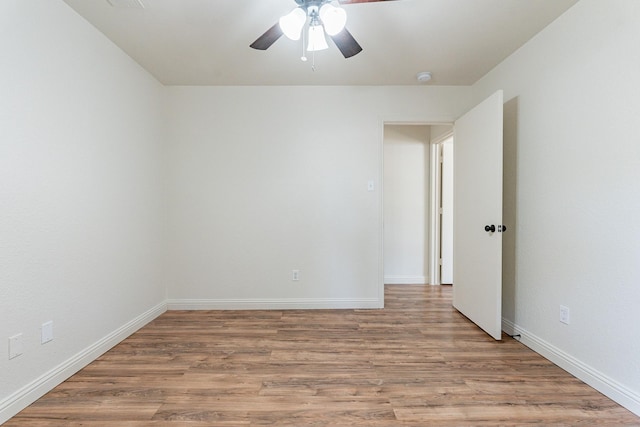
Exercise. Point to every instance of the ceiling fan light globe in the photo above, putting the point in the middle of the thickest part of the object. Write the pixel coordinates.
(333, 18)
(291, 24)
(317, 40)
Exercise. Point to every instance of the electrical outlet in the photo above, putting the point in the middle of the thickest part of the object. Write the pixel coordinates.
(46, 332)
(295, 275)
(564, 314)
(15, 346)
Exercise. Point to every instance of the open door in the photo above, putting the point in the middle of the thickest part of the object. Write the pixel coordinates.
(477, 224)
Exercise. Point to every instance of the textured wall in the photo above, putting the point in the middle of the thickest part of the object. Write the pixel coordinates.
(80, 188)
(572, 101)
(265, 180)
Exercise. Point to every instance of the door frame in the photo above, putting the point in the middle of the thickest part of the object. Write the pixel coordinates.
(380, 199)
(401, 122)
(435, 203)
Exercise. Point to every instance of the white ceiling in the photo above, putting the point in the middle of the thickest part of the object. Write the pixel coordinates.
(206, 42)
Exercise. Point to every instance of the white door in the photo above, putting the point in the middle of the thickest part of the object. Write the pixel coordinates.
(477, 259)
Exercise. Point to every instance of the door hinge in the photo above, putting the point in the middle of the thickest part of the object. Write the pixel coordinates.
(440, 211)
(440, 261)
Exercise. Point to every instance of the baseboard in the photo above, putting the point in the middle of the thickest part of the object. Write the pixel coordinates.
(405, 280)
(611, 388)
(274, 304)
(31, 392)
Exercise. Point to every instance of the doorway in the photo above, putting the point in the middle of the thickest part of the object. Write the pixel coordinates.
(412, 195)
(478, 184)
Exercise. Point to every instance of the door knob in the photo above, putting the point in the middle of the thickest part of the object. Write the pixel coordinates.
(490, 228)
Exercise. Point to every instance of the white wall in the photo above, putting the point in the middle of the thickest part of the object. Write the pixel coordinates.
(265, 180)
(80, 194)
(406, 204)
(259, 184)
(574, 100)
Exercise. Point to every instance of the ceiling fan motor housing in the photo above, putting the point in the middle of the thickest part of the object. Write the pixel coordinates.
(342, 38)
(311, 7)
(306, 3)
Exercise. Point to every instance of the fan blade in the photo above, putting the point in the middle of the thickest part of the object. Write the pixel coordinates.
(265, 41)
(346, 43)
(360, 1)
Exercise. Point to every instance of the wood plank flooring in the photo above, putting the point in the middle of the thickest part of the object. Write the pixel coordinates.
(418, 362)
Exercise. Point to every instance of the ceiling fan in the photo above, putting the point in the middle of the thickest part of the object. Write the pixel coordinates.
(320, 16)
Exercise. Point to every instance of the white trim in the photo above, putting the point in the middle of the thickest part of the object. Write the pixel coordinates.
(508, 327)
(434, 216)
(435, 204)
(445, 136)
(274, 304)
(37, 388)
(433, 261)
(405, 280)
(442, 121)
(596, 379)
(380, 272)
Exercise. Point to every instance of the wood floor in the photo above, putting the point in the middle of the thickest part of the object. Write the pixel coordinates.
(415, 363)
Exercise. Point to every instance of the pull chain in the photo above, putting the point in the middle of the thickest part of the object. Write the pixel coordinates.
(304, 53)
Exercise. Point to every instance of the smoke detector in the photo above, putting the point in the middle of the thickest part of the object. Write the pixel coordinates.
(424, 76)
